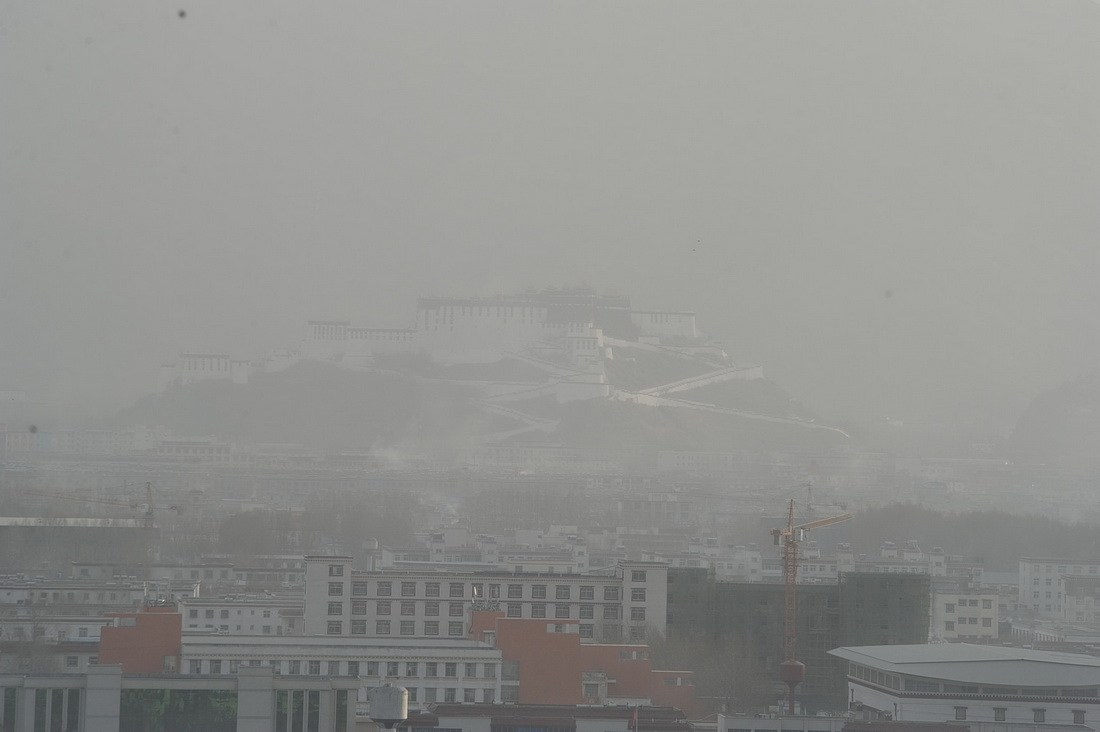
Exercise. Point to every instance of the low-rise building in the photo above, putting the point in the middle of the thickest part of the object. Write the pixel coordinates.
(977, 684)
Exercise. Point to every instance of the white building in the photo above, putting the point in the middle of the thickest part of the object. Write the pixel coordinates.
(1041, 588)
(625, 604)
(962, 614)
(455, 670)
(989, 686)
(243, 615)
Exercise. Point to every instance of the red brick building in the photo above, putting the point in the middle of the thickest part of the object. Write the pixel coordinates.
(146, 642)
(546, 663)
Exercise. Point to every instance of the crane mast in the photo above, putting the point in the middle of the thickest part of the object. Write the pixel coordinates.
(792, 671)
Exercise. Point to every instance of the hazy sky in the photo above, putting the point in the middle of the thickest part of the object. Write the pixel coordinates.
(893, 206)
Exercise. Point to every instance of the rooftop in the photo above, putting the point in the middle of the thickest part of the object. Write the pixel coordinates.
(979, 664)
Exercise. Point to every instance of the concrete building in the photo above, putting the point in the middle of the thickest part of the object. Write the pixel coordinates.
(626, 603)
(1041, 588)
(455, 670)
(988, 686)
(748, 619)
(243, 615)
(964, 614)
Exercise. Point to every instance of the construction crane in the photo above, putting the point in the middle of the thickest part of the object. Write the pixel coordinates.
(792, 671)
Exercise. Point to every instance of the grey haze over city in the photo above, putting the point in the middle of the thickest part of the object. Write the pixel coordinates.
(526, 366)
(891, 207)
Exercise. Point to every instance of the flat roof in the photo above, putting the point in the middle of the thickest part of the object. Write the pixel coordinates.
(979, 664)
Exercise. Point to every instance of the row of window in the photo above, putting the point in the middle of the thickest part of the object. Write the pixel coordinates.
(223, 614)
(405, 627)
(390, 669)
(950, 624)
(973, 602)
(385, 588)
(1037, 715)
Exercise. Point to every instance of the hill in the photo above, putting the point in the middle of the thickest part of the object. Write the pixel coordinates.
(1061, 425)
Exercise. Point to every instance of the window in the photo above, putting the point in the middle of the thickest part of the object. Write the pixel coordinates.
(562, 592)
(468, 696)
(382, 607)
(73, 662)
(637, 613)
(314, 668)
(456, 589)
(195, 667)
(359, 627)
(385, 589)
(449, 695)
(611, 593)
(393, 668)
(335, 570)
(335, 608)
(450, 669)
(429, 695)
(987, 622)
(381, 627)
(408, 608)
(454, 628)
(469, 670)
(586, 630)
(1040, 715)
(295, 668)
(408, 627)
(949, 625)
(1078, 716)
(637, 575)
(588, 592)
(431, 589)
(514, 610)
(611, 612)
(408, 589)
(431, 627)
(950, 608)
(538, 592)
(586, 612)
(431, 609)
(999, 714)
(637, 594)
(490, 671)
(515, 592)
(359, 589)
(412, 669)
(987, 604)
(358, 607)
(353, 668)
(561, 611)
(538, 610)
(960, 713)
(224, 615)
(412, 694)
(488, 696)
(431, 669)
(193, 613)
(372, 668)
(335, 627)
(333, 668)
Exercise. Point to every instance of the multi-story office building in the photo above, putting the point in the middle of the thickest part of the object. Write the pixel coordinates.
(1040, 582)
(433, 670)
(627, 603)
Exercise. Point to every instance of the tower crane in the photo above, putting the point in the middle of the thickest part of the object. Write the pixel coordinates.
(791, 670)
